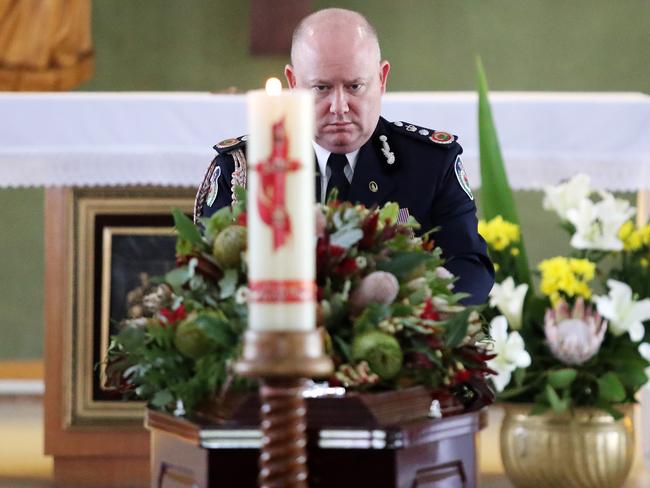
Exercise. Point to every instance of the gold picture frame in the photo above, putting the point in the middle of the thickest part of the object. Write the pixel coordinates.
(100, 218)
(109, 235)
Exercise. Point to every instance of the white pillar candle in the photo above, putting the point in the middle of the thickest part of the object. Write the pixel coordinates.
(281, 236)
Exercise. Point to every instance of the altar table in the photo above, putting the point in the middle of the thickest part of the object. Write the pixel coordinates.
(431, 453)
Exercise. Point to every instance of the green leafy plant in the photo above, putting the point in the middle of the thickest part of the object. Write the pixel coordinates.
(496, 195)
(386, 310)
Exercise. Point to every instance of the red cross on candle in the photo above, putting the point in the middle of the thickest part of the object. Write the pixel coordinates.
(271, 200)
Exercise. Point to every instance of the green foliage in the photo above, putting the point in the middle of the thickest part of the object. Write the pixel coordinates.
(186, 230)
(558, 404)
(218, 221)
(389, 213)
(405, 264)
(562, 378)
(393, 338)
(496, 194)
(228, 283)
(346, 237)
(371, 317)
(610, 388)
(456, 328)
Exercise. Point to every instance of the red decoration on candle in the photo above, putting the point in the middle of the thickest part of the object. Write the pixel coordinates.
(271, 200)
(281, 291)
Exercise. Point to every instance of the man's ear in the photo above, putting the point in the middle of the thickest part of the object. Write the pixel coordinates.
(290, 75)
(384, 68)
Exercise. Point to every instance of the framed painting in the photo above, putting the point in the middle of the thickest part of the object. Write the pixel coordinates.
(122, 239)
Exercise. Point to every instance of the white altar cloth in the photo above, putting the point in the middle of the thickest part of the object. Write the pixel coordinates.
(80, 139)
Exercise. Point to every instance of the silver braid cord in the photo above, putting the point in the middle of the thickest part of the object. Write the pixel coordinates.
(239, 176)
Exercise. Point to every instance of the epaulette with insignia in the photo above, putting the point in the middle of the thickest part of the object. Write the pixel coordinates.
(421, 133)
(229, 145)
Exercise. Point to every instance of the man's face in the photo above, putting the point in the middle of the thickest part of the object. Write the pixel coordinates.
(347, 82)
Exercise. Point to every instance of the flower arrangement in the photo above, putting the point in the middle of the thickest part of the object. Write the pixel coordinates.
(580, 342)
(385, 307)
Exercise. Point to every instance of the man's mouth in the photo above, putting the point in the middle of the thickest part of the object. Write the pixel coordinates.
(338, 126)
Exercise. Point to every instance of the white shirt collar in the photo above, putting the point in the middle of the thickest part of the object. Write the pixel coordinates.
(323, 154)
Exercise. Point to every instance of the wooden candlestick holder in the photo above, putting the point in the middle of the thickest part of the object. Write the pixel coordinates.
(283, 361)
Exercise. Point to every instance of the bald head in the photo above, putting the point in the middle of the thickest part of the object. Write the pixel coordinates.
(335, 54)
(331, 25)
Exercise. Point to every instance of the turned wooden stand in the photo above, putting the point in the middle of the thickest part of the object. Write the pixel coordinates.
(432, 453)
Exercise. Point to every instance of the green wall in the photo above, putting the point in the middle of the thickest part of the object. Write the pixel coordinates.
(558, 45)
(540, 45)
(21, 273)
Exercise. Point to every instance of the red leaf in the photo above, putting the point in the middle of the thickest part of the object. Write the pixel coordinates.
(346, 267)
(462, 376)
(429, 312)
(369, 228)
(173, 316)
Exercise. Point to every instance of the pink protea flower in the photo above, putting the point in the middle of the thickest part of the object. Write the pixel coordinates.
(574, 336)
(320, 220)
(377, 287)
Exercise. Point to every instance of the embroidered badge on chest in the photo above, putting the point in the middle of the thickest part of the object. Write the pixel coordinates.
(214, 186)
(463, 179)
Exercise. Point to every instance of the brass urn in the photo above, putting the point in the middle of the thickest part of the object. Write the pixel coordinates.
(587, 450)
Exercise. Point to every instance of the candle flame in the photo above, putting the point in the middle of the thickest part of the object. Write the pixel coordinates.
(273, 86)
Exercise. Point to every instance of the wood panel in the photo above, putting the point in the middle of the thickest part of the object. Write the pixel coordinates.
(106, 456)
(272, 25)
(101, 472)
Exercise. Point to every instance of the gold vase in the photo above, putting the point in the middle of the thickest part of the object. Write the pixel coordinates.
(588, 450)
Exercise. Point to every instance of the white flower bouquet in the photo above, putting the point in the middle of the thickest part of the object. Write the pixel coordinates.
(581, 340)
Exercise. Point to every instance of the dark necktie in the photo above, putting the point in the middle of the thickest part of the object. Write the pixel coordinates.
(336, 163)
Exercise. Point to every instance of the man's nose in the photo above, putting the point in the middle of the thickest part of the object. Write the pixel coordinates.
(339, 103)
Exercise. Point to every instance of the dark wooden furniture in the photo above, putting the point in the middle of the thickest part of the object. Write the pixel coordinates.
(431, 453)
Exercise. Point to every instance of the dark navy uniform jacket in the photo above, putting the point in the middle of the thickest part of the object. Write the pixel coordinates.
(426, 178)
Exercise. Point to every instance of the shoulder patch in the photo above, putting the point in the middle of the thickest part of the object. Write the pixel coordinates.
(425, 135)
(463, 179)
(228, 145)
(440, 137)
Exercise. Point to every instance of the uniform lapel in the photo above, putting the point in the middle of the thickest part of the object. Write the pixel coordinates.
(371, 183)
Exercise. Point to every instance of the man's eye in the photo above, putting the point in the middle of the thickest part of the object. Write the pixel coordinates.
(321, 88)
(354, 87)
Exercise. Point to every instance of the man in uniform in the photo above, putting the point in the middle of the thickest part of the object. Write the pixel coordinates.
(335, 54)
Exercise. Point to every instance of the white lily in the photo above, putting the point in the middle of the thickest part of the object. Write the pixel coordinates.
(623, 312)
(644, 350)
(565, 196)
(597, 224)
(510, 351)
(509, 299)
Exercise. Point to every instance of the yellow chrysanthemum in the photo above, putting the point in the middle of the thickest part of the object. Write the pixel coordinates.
(645, 234)
(499, 233)
(632, 238)
(626, 230)
(565, 276)
(583, 267)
